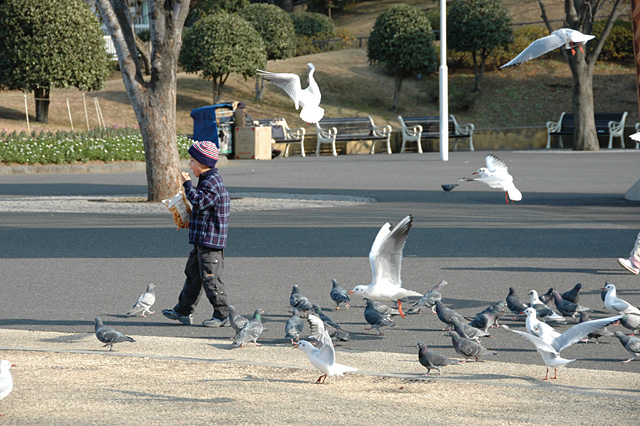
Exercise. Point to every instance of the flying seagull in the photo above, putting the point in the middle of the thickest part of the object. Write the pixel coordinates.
(496, 175)
(564, 36)
(386, 261)
(308, 98)
(144, 303)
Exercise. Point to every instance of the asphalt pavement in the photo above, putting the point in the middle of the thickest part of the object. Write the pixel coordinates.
(60, 270)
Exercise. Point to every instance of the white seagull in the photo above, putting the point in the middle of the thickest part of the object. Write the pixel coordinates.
(386, 261)
(544, 311)
(496, 175)
(533, 325)
(6, 381)
(550, 348)
(615, 305)
(564, 36)
(309, 98)
(323, 355)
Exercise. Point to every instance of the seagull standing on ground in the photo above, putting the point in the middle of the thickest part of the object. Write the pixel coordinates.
(6, 381)
(496, 175)
(386, 261)
(564, 36)
(616, 305)
(309, 98)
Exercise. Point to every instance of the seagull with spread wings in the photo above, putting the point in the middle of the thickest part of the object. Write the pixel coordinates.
(496, 175)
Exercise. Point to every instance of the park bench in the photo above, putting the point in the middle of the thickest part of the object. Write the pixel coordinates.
(281, 133)
(607, 123)
(414, 129)
(332, 130)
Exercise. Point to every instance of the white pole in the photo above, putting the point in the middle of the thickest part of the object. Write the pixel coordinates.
(444, 85)
(70, 119)
(26, 111)
(86, 116)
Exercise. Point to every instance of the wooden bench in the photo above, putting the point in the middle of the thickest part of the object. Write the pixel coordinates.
(281, 133)
(330, 130)
(414, 129)
(606, 123)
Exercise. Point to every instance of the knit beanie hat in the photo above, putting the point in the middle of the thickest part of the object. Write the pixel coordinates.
(205, 152)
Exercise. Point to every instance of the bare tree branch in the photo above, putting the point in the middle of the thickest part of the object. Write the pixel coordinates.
(544, 16)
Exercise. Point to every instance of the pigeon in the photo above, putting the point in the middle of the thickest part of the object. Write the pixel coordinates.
(550, 349)
(603, 332)
(236, 321)
(469, 348)
(429, 299)
(631, 321)
(250, 332)
(317, 310)
(496, 175)
(563, 36)
(572, 295)
(144, 303)
(446, 314)
(616, 305)
(322, 355)
(298, 300)
(488, 318)
(6, 381)
(514, 303)
(384, 309)
(376, 319)
(293, 327)
(109, 336)
(433, 360)
(565, 307)
(532, 324)
(339, 295)
(630, 343)
(448, 187)
(465, 330)
(544, 312)
(386, 259)
(309, 98)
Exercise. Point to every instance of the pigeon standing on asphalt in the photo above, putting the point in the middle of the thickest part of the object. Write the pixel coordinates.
(429, 299)
(448, 187)
(630, 343)
(446, 314)
(573, 295)
(109, 336)
(251, 331)
(469, 348)
(322, 356)
(515, 305)
(293, 327)
(465, 330)
(602, 332)
(144, 303)
(386, 261)
(339, 295)
(565, 307)
(298, 300)
(384, 309)
(488, 318)
(376, 319)
(631, 321)
(496, 175)
(616, 305)
(433, 360)
(550, 348)
(6, 381)
(236, 321)
(544, 312)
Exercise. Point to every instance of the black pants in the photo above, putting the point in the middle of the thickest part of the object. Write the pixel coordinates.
(204, 270)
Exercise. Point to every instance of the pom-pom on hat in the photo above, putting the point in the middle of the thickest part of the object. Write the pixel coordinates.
(205, 152)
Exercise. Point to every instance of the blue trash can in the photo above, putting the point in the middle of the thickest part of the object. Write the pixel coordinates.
(214, 123)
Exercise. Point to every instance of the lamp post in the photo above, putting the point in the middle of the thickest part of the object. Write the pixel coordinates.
(444, 85)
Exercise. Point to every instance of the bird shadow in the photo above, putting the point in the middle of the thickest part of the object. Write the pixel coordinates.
(540, 269)
(172, 398)
(70, 338)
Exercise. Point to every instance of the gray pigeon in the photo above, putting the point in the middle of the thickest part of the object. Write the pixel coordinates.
(316, 309)
(465, 330)
(433, 360)
(515, 305)
(445, 314)
(429, 299)
(294, 326)
(631, 321)
(448, 187)
(236, 321)
(339, 295)
(544, 312)
(376, 319)
(109, 336)
(572, 295)
(630, 343)
(565, 307)
(298, 300)
(144, 303)
(597, 334)
(489, 317)
(384, 309)
(469, 348)
(250, 332)
(331, 327)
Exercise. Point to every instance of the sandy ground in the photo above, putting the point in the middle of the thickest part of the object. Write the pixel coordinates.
(70, 379)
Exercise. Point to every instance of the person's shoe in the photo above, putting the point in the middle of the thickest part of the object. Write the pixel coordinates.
(215, 322)
(626, 264)
(173, 315)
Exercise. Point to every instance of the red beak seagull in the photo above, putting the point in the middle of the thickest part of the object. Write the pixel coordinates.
(386, 260)
(496, 175)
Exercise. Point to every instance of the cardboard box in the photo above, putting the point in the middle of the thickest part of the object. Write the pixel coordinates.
(252, 143)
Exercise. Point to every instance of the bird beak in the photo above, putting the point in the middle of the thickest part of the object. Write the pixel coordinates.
(350, 292)
(474, 173)
(295, 346)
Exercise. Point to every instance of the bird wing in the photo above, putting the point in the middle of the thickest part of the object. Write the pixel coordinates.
(109, 335)
(538, 48)
(386, 251)
(580, 331)
(146, 300)
(541, 345)
(326, 353)
(288, 82)
(495, 165)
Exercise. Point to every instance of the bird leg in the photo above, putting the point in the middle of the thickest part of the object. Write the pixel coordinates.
(506, 197)
(547, 376)
(555, 373)
(628, 360)
(400, 308)
(323, 378)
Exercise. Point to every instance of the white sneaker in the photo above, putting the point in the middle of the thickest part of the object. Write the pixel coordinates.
(626, 264)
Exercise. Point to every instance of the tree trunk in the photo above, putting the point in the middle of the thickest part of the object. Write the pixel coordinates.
(585, 137)
(42, 104)
(396, 92)
(259, 88)
(143, 49)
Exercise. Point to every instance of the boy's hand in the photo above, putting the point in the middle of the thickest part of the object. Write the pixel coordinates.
(184, 176)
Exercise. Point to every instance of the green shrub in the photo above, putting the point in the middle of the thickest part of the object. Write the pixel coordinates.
(618, 47)
(312, 25)
(275, 26)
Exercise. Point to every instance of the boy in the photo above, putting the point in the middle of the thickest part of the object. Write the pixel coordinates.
(208, 233)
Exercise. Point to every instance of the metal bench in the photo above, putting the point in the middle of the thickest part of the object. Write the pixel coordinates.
(607, 123)
(281, 133)
(332, 130)
(414, 129)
